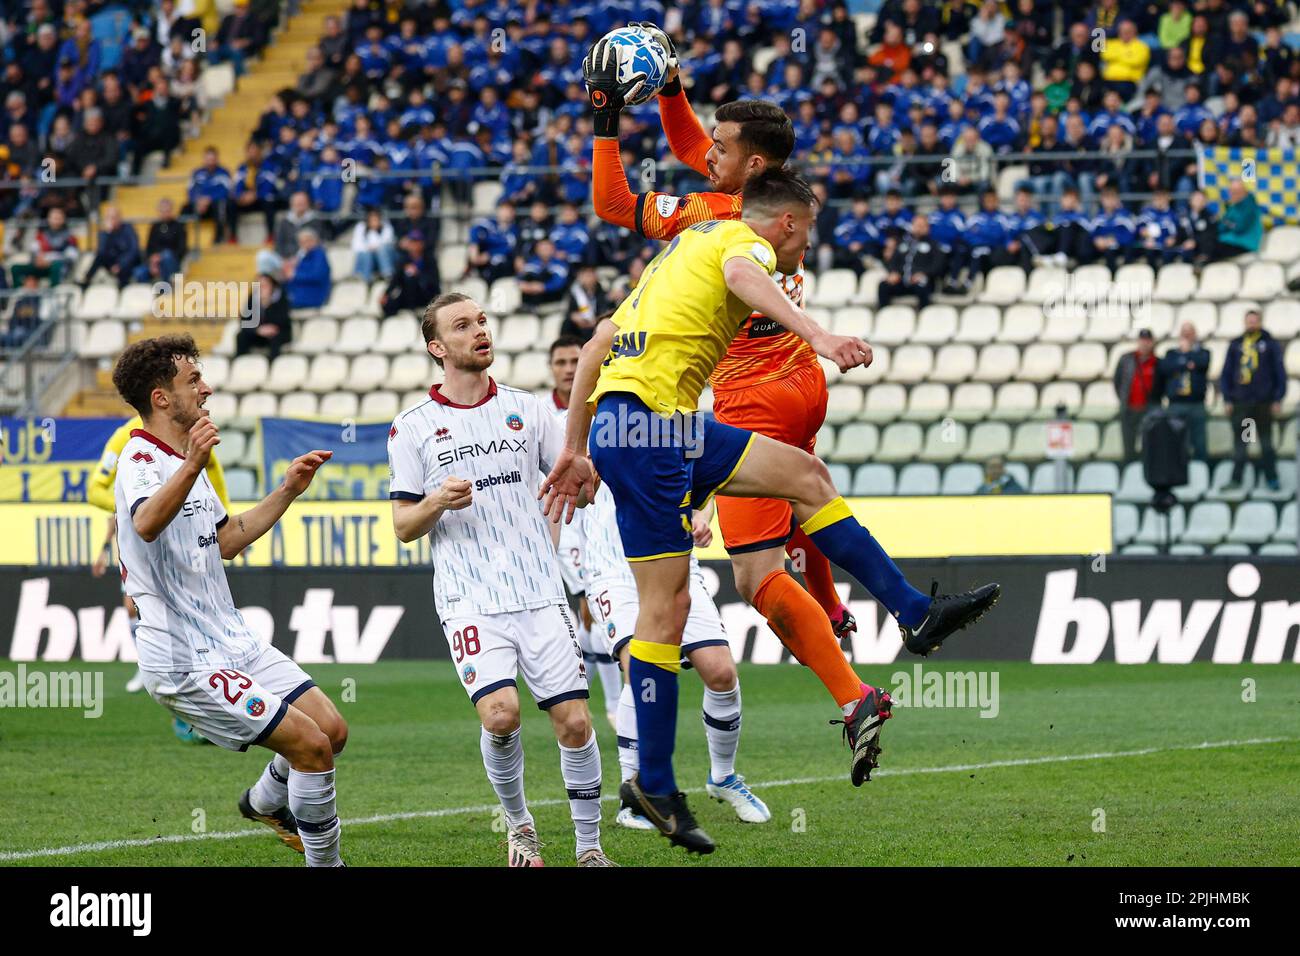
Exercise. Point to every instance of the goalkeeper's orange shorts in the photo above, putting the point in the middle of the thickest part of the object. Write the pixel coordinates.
(789, 409)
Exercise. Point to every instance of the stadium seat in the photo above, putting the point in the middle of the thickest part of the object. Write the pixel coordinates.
(1029, 443)
(869, 287)
(979, 324)
(1124, 521)
(1098, 478)
(241, 484)
(900, 442)
(328, 373)
(954, 363)
(844, 403)
(234, 447)
(485, 196)
(877, 371)
(1254, 522)
(348, 298)
(944, 441)
(1084, 361)
(1277, 549)
(841, 478)
(103, 339)
(1231, 549)
(884, 403)
(1198, 482)
(835, 287)
(1232, 317)
(287, 374)
(1100, 403)
(1041, 362)
(216, 371)
(935, 325)
(255, 405)
(851, 320)
(135, 303)
(357, 335)
(997, 364)
(1281, 244)
(248, 373)
(1175, 283)
(1059, 393)
(1065, 323)
(1139, 550)
(1286, 529)
(518, 333)
(1220, 281)
(988, 439)
(1184, 550)
(1015, 400)
(826, 443)
(1153, 529)
(316, 335)
(223, 407)
(911, 364)
(1110, 322)
(1004, 285)
(917, 479)
(226, 344)
(379, 406)
(1043, 480)
(531, 370)
(1087, 440)
(299, 405)
(1133, 485)
(503, 296)
(410, 371)
(961, 478)
(1158, 317)
(399, 334)
(1291, 358)
(367, 372)
(1046, 284)
(342, 262)
(873, 480)
(97, 302)
(413, 398)
(1021, 325)
(1208, 523)
(1262, 281)
(339, 407)
(927, 402)
(1282, 318)
(1203, 315)
(971, 401)
(857, 442)
(894, 325)
(1135, 282)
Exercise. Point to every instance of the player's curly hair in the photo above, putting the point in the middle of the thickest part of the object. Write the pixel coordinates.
(774, 190)
(765, 128)
(149, 364)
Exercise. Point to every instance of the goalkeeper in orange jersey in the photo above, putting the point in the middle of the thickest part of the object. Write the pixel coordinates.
(770, 381)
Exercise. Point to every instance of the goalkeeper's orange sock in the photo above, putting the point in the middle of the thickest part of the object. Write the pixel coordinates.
(803, 627)
(816, 573)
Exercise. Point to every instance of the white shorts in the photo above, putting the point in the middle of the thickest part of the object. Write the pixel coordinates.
(234, 708)
(489, 651)
(614, 605)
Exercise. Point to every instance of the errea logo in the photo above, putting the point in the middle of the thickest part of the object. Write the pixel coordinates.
(442, 434)
(77, 909)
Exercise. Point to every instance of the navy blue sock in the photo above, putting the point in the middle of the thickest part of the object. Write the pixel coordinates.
(839, 536)
(654, 689)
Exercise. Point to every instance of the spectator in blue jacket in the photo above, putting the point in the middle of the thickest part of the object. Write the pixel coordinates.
(257, 189)
(118, 251)
(210, 191)
(988, 232)
(327, 182)
(307, 274)
(492, 244)
(543, 278)
(1113, 230)
(856, 237)
(1157, 231)
(571, 238)
(1000, 129)
(1184, 372)
(948, 228)
(1253, 384)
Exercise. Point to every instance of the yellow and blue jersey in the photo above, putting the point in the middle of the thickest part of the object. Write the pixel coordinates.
(676, 325)
(99, 490)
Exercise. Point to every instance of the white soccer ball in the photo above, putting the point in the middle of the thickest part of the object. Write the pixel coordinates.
(639, 53)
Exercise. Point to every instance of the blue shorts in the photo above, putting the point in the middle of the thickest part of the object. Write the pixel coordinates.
(660, 470)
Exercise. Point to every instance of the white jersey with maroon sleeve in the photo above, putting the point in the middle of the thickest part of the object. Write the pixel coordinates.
(495, 555)
(188, 620)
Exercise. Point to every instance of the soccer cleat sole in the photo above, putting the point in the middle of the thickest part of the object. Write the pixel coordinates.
(867, 750)
(290, 839)
(966, 622)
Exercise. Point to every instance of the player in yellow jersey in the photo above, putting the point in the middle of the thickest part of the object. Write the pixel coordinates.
(769, 381)
(99, 492)
(635, 394)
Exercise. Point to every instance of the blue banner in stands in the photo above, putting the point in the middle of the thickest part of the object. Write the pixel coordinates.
(1272, 175)
(358, 470)
(50, 459)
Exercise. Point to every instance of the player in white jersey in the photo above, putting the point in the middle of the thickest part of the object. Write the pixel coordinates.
(465, 467)
(199, 657)
(611, 594)
(564, 363)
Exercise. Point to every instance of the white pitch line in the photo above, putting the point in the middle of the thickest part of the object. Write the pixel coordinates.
(12, 855)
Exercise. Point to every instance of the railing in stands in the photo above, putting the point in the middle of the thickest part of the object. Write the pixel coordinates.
(36, 345)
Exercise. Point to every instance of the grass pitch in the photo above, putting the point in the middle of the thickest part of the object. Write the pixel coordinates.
(1082, 766)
